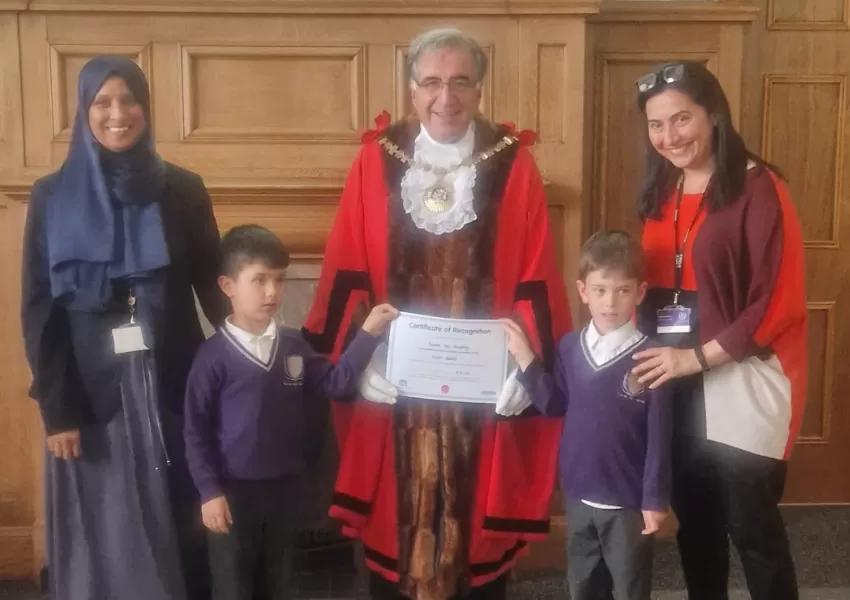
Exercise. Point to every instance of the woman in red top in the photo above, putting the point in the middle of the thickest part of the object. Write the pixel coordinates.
(727, 302)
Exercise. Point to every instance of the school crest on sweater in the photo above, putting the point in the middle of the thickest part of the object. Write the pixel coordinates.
(293, 367)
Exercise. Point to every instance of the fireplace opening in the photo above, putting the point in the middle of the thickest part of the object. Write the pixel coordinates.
(325, 563)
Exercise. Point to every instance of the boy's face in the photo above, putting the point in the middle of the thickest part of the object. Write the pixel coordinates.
(256, 292)
(611, 298)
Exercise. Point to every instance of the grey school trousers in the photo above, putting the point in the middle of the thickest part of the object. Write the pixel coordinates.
(607, 556)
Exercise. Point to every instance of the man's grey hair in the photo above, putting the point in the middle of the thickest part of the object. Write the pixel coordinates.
(445, 38)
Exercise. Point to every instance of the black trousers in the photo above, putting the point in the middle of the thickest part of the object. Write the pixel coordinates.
(722, 493)
(254, 560)
(381, 589)
(607, 556)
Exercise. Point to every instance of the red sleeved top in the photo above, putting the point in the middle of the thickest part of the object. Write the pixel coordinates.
(744, 279)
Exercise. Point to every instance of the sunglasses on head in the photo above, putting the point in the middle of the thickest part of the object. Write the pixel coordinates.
(668, 74)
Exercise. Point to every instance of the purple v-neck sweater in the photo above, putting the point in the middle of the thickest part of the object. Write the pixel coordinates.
(250, 420)
(615, 448)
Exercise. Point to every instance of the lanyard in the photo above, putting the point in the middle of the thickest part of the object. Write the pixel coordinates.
(679, 257)
(131, 303)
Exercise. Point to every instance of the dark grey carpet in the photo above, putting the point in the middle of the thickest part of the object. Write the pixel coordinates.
(820, 540)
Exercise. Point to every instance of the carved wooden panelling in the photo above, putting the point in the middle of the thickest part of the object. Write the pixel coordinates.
(621, 140)
(558, 224)
(265, 99)
(816, 421)
(66, 61)
(270, 93)
(800, 15)
(803, 132)
(302, 223)
(552, 120)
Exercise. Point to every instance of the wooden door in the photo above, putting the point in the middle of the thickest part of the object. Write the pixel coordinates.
(796, 107)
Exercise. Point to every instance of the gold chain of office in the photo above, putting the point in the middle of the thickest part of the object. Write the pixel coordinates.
(439, 197)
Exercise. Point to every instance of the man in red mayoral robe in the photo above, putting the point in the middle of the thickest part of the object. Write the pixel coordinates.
(444, 215)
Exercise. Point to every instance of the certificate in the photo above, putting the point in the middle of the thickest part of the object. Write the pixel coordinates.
(455, 360)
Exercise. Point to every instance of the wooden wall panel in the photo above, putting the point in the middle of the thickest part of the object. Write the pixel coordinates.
(268, 93)
(809, 111)
(65, 63)
(816, 422)
(621, 134)
(265, 99)
(11, 132)
(302, 218)
(552, 120)
(550, 94)
(819, 15)
(20, 433)
(796, 106)
(620, 52)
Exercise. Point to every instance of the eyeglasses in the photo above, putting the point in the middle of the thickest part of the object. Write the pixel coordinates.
(434, 85)
(668, 74)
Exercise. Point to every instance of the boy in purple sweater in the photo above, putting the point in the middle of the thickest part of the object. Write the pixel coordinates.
(615, 449)
(256, 400)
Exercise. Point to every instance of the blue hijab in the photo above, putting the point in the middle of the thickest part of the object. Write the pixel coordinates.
(104, 223)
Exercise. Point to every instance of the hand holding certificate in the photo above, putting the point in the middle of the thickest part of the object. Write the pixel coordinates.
(455, 360)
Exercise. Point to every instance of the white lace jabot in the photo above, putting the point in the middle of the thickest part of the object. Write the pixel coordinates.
(417, 181)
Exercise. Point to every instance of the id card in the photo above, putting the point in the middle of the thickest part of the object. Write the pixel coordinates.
(128, 339)
(674, 319)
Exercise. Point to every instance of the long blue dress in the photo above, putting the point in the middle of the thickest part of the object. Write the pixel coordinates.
(123, 520)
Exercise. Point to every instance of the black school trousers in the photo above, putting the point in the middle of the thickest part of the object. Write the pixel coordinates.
(254, 560)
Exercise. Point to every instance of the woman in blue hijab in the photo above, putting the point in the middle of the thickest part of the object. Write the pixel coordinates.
(115, 243)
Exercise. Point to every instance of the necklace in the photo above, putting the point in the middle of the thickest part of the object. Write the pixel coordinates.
(440, 197)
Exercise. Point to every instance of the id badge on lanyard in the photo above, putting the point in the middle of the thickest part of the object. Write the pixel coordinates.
(128, 338)
(675, 318)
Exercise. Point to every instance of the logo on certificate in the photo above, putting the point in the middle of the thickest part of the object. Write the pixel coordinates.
(402, 383)
(445, 389)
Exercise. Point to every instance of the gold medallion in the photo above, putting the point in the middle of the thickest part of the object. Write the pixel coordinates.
(438, 198)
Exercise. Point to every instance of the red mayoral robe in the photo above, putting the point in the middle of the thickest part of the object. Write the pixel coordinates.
(444, 496)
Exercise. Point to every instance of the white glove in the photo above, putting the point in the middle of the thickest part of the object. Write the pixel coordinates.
(374, 386)
(513, 399)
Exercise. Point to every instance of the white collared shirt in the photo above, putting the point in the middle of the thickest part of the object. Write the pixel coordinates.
(445, 154)
(603, 349)
(259, 346)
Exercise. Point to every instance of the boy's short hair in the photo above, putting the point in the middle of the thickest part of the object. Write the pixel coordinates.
(612, 250)
(246, 244)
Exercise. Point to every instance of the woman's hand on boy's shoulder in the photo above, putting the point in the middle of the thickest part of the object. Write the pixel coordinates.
(378, 319)
(657, 366)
